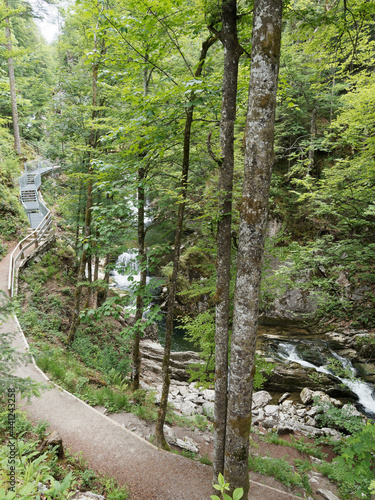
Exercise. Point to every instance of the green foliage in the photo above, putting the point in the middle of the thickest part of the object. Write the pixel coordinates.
(279, 468)
(353, 469)
(201, 331)
(32, 468)
(366, 346)
(298, 444)
(223, 487)
(338, 418)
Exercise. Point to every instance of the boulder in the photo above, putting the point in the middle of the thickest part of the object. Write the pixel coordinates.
(271, 410)
(187, 444)
(261, 399)
(87, 495)
(53, 440)
(328, 495)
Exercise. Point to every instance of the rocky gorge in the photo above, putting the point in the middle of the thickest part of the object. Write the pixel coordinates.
(285, 413)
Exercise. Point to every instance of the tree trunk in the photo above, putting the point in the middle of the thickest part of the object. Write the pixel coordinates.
(136, 355)
(312, 139)
(12, 85)
(86, 255)
(259, 159)
(232, 53)
(159, 428)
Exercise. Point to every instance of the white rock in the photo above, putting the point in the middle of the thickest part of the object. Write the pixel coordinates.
(184, 390)
(351, 411)
(335, 435)
(306, 395)
(187, 444)
(169, 434)
(87, 495)
(271, 410)
(284, 397)
(261, 399)
(208, 409)
(310, 421)
(188, 408)
(209, 394)
(269, 423)
(327, 494)
(288, 407)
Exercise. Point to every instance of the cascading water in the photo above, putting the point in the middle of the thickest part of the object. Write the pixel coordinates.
(127, 270)
(343, 371)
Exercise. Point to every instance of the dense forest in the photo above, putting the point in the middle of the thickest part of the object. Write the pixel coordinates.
(152, 109)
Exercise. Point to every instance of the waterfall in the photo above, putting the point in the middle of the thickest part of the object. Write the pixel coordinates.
(365, 392)
(127, 270)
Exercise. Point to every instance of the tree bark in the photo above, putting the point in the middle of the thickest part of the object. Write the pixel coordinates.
(159, 428)
(136, 355)
(86, 255)
(311, 154)
(12, 85)
(259, 157)
(232, 53)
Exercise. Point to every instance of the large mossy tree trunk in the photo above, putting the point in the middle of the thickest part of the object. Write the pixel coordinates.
(259, 158)
(159, 428)
(232, 53)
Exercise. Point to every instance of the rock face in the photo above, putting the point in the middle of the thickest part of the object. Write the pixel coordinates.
(293, 378)
(290, 307)
(152, 357)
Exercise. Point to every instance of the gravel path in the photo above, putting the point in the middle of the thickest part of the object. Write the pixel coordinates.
(109, 448)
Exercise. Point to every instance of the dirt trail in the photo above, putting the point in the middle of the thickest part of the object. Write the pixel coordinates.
(109, 448)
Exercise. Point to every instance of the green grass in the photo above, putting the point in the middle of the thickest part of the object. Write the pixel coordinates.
(298, 444)
(280, 469)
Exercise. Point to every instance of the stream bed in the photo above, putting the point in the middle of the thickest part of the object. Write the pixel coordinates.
(289, 347)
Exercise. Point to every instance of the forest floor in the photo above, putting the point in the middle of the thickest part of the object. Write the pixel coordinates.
(114, 445)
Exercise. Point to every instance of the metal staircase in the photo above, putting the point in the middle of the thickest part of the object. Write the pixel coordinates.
(38, 214)
(30, 182)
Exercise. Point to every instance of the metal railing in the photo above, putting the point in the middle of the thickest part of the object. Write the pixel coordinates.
(42, 231)
(34, 238)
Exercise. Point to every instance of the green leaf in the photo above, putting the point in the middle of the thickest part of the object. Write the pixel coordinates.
(221, 479)
(238, 494)
(214, 497)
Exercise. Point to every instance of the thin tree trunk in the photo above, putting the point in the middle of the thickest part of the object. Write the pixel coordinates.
(136, 355)
(311, 154)
(142, 174)
(12, 85)
(81, 274)
(259, 157)
(159, 428)
(232, 53)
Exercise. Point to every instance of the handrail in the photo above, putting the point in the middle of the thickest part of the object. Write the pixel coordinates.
(44, 226)
(36, 237)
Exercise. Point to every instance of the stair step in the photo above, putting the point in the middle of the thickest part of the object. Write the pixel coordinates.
(29, 195)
